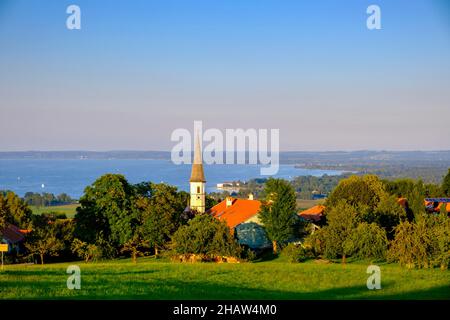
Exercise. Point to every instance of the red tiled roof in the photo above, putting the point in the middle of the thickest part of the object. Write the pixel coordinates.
(12, 234)
(314, 213)
(438, 207)
(238, 212)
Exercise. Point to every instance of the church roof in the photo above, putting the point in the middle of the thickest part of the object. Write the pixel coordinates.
(238, 212)
(197, 173)
(314, 213)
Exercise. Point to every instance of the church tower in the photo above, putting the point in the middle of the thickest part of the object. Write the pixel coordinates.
(197, 181)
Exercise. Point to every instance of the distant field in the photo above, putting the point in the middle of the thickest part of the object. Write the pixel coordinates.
(69, 210)
(306, 204)
(276, 279)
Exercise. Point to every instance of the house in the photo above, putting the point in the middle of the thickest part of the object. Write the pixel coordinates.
(13, 236)
(433, 205)
(313, 214)
(241, 216)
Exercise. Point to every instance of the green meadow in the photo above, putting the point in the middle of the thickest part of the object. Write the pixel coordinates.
(68, 209)
(275, 279)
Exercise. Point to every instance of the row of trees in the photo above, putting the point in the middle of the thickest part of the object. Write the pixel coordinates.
(46, 199)
(364, 220)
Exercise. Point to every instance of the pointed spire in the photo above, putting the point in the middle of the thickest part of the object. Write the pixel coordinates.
(197, 174)
(197, 151)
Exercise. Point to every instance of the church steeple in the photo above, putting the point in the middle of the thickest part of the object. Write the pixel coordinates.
(197, 180)
(197, 174)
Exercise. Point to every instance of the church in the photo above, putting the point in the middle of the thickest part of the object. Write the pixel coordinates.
(241, 215)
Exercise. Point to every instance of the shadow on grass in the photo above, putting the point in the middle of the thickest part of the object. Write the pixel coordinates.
(159, 289)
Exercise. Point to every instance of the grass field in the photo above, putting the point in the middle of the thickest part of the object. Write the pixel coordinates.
(69, 209)
(276, 279)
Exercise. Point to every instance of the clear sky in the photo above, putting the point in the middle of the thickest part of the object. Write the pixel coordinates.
(137, 70)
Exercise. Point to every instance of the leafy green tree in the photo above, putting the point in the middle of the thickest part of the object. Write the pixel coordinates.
(368, 241)
(43, 239)
(205, 235)
(358, 191)
(414, 244)
(85, 250)
(278, 212)
(161, 214)
(14, 210)
(441, 236)
(136, 245)
(334, 237)
(446, 184)
(388, 213)
(3, 212)
(107, 211)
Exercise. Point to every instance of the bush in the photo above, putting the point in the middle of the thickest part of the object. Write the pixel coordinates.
(294, 253)
(86, 251)
(368, 241)
(205, 235)
(423, 244)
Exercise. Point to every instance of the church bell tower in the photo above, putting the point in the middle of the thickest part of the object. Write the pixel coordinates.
(197, 181)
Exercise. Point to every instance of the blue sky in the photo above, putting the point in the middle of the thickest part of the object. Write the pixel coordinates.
(137, 70)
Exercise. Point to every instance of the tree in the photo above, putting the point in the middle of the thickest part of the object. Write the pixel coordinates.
(358, 191)
(388, 213)
(3, 212)
(135, 246)
(14, 210)
(205, 235)
(334, 237)
(106, 212)
(441, 236)
(414, 244)
(85, 250)
(43, 240)
(446, 184)
(277, 213)
(368, 241)
(161, 214)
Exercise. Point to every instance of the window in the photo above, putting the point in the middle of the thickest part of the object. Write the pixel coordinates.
(198, 189)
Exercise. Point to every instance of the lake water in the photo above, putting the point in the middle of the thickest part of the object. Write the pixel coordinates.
(72, 176)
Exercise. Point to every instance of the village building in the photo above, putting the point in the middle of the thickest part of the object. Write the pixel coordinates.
(13, 236)
(241, 215)
(314, 214)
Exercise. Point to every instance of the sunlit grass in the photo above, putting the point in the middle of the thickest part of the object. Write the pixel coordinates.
(68, 209)
(276, 279)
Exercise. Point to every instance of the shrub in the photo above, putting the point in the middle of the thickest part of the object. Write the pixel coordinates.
(333, 237)
(414, 244)
(368, 241)
(205, 235)
(294, 253)
(85, 250)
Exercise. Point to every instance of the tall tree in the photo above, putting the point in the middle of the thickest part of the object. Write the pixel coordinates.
(278, 211)
(161, 214)
(106, 211)
(43, 239)
(15, 210)
(342, 220)
(358, 191)
(446, 184)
